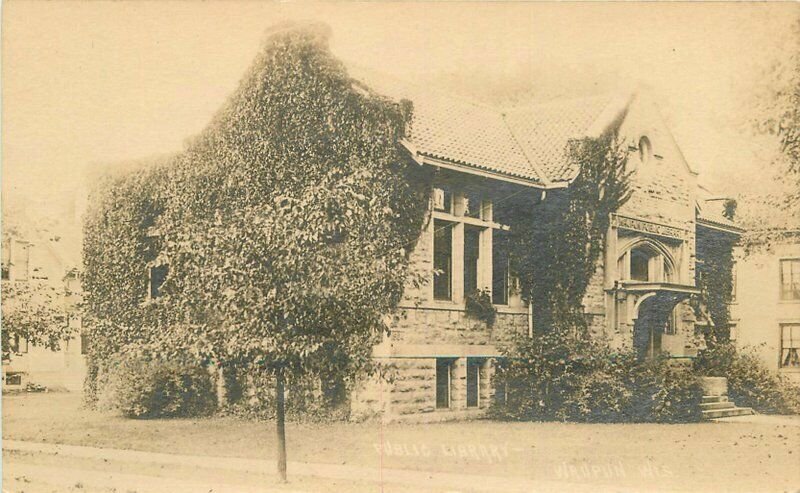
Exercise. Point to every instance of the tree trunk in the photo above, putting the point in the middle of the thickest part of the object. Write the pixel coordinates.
(281, 425)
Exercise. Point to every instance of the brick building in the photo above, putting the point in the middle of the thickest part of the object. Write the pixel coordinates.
(441, 358)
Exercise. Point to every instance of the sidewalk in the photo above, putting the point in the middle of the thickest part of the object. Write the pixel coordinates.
(449, 482)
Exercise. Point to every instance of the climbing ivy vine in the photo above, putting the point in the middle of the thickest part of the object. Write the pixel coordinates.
(557, 243)
(285, 228)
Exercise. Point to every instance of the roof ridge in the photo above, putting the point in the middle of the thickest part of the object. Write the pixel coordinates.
(546, 181)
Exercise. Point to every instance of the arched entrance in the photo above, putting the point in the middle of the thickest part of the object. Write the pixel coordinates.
(654, 316)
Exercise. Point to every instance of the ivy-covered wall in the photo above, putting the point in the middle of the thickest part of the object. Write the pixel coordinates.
(285, 226)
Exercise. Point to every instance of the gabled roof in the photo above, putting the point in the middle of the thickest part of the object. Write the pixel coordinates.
(527, 142)
(544, 130)
(709, 211)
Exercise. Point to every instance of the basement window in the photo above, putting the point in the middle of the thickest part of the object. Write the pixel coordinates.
(474, 381)
(444, 377)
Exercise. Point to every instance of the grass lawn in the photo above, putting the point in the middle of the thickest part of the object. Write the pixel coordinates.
(693, 457)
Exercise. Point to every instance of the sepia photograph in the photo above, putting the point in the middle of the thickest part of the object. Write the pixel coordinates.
(400, 247)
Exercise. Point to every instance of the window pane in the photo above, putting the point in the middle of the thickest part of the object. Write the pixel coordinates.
(472, 246)
(442, 260)
(790, 346)
(473, 381)
(443, 383)
(790, 279)
(472, 205)
(499, 267)
(640, 266)
(442, 200)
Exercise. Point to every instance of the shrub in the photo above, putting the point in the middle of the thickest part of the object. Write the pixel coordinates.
(478, 304)
(557, 377)
(664, 391)
(750, 383)
(307, 397)
(139, 386)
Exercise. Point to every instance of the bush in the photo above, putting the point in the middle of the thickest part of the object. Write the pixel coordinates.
(307, 398)
(478, 304)
(557, 377)
(750, 383)
(664, 391)
(139, 386)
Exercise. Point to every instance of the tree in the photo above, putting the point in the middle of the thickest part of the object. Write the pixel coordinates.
(778, 112)
(32, 311)
(285, 226)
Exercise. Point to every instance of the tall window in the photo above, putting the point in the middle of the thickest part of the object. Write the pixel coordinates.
(444, 369)
(442, 260)
(790, 279)
(790, 346)
(733, 282)
(640, 265)
(500, 279)
(473, 381)
(472, 254)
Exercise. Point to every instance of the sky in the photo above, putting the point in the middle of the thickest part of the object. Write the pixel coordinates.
(86, 85)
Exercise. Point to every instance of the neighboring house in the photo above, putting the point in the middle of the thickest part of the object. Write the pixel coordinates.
(441, 359)
(33, 255)
(765, 313)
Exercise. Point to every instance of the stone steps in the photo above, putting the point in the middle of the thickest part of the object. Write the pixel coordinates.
(711, 414)
(714, 398)
(709, 406)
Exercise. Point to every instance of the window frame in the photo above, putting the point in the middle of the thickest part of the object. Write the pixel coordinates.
(781, 285)
(474, 364)
(795, 347)
(440, 225)
(458, 222)
(448, 364)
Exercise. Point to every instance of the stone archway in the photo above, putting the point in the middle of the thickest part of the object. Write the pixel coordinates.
(651, 316)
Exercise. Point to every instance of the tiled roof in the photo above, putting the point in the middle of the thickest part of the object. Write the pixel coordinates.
(470, 134)
(526, 142)
(544, 130)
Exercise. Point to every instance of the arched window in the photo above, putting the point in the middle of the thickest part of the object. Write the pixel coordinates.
(645, 262)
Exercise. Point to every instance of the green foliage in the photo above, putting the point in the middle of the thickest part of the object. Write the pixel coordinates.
(556, 244)
(557, 377)
(138, 384)
(664, 391)
(286, 226)
(750, 383)
(35, 312)
(714, 278)
(307, 399)
(478, 304)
